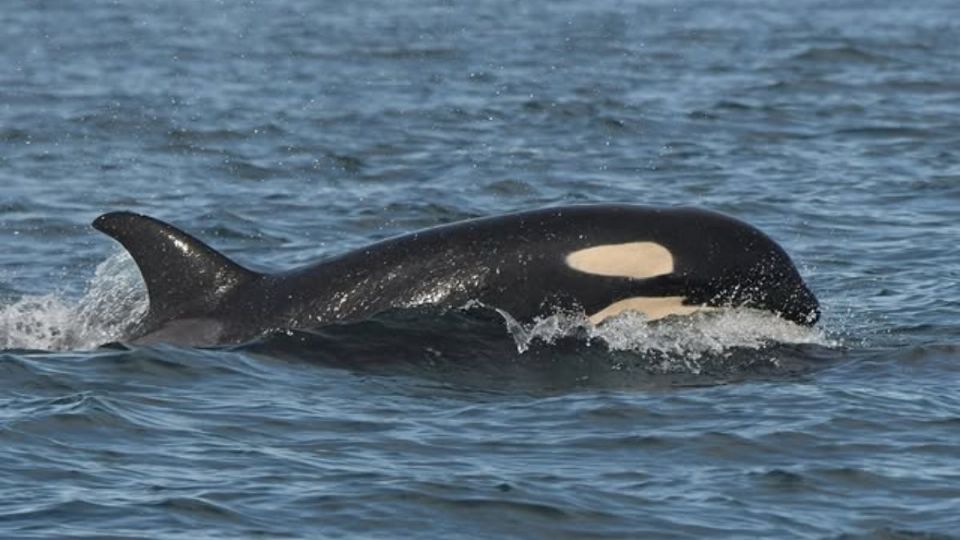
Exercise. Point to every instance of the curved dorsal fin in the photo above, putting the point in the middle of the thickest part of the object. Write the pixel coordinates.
(184, 276)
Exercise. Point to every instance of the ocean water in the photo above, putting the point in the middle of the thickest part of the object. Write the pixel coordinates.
(283, 132)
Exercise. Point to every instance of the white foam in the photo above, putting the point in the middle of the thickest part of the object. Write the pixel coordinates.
(114, 299)
(691, 337)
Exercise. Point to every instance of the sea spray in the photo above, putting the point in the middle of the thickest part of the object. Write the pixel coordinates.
(114, 300)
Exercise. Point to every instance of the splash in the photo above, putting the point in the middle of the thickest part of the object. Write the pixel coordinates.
(113, 300)
(690, 337)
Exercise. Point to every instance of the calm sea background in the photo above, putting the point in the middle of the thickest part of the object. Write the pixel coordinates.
(286, 131)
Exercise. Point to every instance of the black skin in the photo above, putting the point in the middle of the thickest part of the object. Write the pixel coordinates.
(515, 262)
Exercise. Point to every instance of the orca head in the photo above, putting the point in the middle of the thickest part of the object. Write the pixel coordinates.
(733, 264)
(701, 260)
(771, 284)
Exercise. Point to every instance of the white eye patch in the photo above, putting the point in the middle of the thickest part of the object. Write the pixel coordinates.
(638, 260)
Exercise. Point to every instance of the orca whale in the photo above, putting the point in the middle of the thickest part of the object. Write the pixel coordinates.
(598, 259)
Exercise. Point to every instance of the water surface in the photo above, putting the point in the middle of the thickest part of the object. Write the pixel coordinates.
(287, 131)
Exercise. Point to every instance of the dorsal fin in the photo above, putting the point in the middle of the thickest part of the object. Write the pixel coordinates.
(184, 276)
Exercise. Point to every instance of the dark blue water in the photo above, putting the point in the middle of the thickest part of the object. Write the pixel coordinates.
(286, 131)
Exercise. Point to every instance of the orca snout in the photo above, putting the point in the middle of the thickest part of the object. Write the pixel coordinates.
(799, 305)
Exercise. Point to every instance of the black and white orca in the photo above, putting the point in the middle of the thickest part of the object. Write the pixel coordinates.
(599, 259)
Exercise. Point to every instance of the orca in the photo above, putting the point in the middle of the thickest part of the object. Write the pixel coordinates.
(601, 259)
